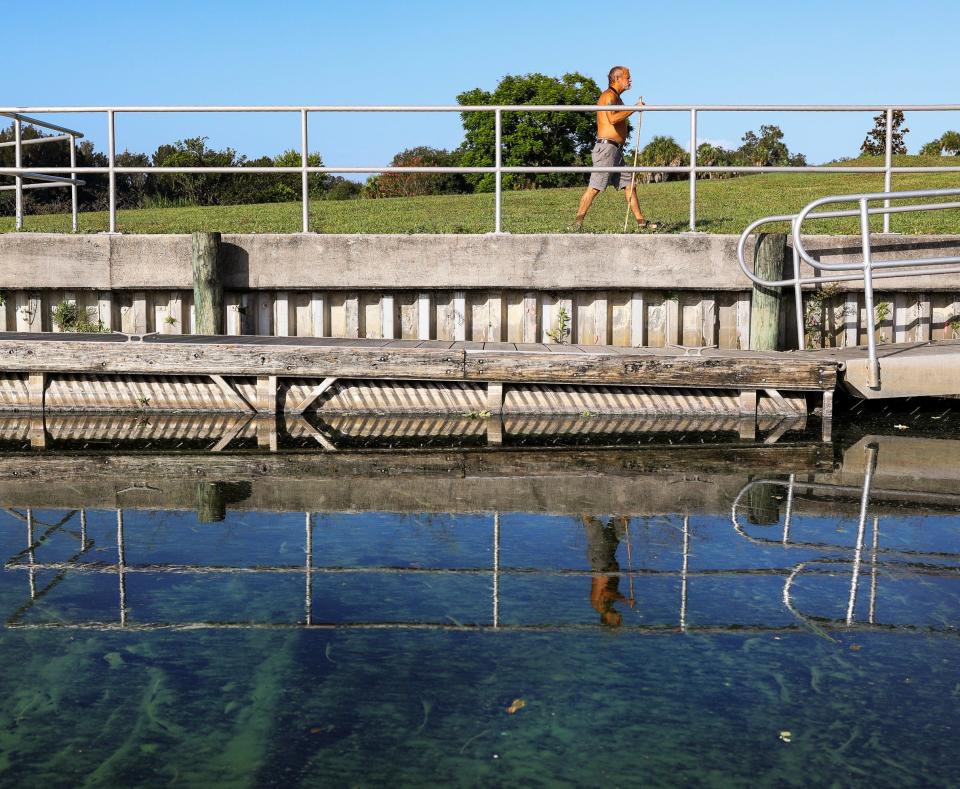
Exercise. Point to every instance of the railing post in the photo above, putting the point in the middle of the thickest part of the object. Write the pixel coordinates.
(887, 165)
(798, 300)
(873, 377)
(18, 162)
(112, 156)
(74, 202)
(498, 189)
(304, 185)
(693, 171)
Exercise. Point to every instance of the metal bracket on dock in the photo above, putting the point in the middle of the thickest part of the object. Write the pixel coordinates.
(688, 350)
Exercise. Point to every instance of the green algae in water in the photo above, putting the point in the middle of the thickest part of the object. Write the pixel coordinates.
(214, 679)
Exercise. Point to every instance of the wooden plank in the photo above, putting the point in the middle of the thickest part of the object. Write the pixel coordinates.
(174, 320)
(592, 320)
(407, 304)
(105, 309)
(371, 314)
(708, 317)
(29, 311)
(444, 316)
(139, 310)
(924, 317)
(161, 309)
(231, 306)
(230, 359)
(851, 320)
(36, 387)
(495, 397)
(638, 319)
(302, 313)
(749, 372)
(314, 393)
(744, 306)
(388, 317)
(529, 317)
(726, 320)
(424, 314)
(318, 314)
(904, 313)
(246, 310)
(266, 394)
(281, 313)
(6, 311)
(619, 304)
(460, 315)
(264, 313)
(690, 315)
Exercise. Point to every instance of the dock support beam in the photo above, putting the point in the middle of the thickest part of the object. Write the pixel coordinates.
(826, 418)
(748, 414)
(768, 261)
(207, 283)
(266, 394)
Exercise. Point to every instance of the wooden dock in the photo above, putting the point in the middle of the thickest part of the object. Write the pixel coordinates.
(269, 375)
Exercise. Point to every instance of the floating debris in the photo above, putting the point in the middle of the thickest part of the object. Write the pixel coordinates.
(515, 706)
(786, 736)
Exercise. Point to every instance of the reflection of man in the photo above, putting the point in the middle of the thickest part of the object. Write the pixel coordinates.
(608, 151)
(602, 543)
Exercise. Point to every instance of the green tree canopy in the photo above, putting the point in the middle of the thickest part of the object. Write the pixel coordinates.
(416, 184)
(535, 139)
(875, 143)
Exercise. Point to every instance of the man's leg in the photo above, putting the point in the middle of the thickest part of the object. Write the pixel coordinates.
(634, 204)
(585, 202)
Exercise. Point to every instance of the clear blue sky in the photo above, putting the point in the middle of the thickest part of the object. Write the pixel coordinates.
(425, 52)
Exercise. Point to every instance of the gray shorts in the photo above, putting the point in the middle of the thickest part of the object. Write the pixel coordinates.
(608, 155)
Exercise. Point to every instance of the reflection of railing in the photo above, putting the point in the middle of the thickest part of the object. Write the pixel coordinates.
(856, 562)
(496, 168)
(918, 563)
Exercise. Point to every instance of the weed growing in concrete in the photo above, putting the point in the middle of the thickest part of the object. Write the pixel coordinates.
(562, 332)
(68, 316)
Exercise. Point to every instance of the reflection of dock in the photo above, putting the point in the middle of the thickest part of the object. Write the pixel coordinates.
(643, 480)
(792, 571)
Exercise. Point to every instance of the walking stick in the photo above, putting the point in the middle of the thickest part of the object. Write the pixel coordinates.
(633, 176)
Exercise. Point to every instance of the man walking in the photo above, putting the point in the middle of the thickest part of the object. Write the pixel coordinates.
(608, 151)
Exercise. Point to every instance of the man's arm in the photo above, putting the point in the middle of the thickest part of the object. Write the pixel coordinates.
(616, 117)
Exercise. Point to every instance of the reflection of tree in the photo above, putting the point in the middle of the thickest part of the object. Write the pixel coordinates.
(602, 543)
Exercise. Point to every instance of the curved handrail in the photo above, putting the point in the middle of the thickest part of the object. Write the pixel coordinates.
(866, 269)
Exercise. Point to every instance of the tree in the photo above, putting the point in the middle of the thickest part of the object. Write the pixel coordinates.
(932, 148)
(535, 139)
(950, 143)
(661, 151)
(197, 188)
(416, 184)
(875, 142)
(290, 187)
(766, 150)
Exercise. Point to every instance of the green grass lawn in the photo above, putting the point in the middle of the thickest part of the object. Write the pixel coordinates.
(723, 206)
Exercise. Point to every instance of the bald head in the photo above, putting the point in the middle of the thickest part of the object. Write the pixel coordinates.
(615, 73)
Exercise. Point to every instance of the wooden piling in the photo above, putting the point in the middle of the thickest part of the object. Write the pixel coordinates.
(768, 262)
(207, 283)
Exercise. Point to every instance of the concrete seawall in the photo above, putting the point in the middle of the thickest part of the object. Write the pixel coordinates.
(606, 289)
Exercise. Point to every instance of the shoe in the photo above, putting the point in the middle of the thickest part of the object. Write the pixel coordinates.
(646, 227)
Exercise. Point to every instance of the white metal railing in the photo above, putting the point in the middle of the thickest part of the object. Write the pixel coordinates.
(498, 169)
(47, 181)
(866, 268)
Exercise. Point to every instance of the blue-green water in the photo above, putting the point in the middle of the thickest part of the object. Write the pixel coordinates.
(196, 664)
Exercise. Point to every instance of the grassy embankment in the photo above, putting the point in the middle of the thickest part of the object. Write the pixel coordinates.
(723, 206)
